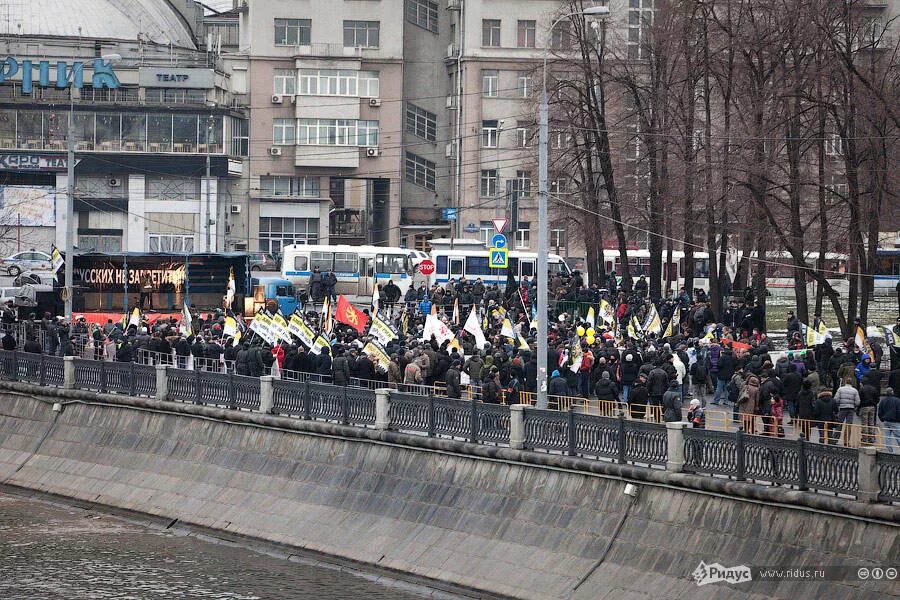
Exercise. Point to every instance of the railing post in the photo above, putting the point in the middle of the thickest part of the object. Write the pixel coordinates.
(69, 372)
(739, 454)
(383, 409)
(345, 407)
(571, 440)
(517, 426)
(430, 414)
(103, 384)
(131, 385)
(43, 374)
(675, 454)
(307, 401)
(623, 443)
(266, 394)
(198, 399)
(232, 393)
(868, 475)
(473, 422)
(14, 375)
(162, 383)
(801, 464)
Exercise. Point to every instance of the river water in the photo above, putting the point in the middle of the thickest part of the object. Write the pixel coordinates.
(48, 551)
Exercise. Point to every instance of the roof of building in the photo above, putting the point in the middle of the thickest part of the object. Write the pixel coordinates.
(149, 20)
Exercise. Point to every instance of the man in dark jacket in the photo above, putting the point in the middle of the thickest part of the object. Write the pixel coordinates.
(452, 376)
(629, 368)
(340, 369)
(657, 384)
(323, 366)
(9, 342)
(889, 414)
(868, 402)
(255, 361)
(638, 398)
(606, 390)
(242, 360)
(724, 375)
(365, 370)
(557, 385)
(671, 403)
(790, 384)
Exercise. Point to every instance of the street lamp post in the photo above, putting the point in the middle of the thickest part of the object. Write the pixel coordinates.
(543, 225)
(70, 188)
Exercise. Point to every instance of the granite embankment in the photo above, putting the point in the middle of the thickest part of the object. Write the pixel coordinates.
(508, 522)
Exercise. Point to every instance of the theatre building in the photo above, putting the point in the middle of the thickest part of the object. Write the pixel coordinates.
(157, 142)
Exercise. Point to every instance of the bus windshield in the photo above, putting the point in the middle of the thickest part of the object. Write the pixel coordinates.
(395, 264)
(558, 267)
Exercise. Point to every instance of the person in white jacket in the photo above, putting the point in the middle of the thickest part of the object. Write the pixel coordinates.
(846, 400)
(680, 372)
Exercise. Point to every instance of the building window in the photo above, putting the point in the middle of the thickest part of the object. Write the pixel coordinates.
(490, 134)
(523, 137)
(486, 232)
(283, 131)
(361, 34)
(299, 187)
(277, 232)
(522, 182)
(557, 238)
(337, 132)
(169, 242)
(524, 85)
(525, 34)
(423, 13)
(285, 82)
(561, 37)
(333, 82)
(560, 185)
(834, 145)
(292, 32)
(422, 242)
(420, 171)
(523, 235)
(490, 83)
(240, 137)
(490, 33)
(640, 20)
(420, 122)
(559, 140)
(99, 243)
(489, 180)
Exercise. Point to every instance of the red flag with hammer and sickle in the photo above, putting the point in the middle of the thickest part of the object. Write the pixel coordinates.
(348, 314)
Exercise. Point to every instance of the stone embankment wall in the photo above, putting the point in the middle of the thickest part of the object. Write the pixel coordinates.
(485, 518)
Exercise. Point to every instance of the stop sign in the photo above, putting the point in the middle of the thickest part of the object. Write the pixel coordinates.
(426, 267)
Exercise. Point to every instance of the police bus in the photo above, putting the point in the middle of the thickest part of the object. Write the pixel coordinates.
(470, 258)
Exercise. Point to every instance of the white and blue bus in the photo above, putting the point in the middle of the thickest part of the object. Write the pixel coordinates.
(469, 258)
(358, 268)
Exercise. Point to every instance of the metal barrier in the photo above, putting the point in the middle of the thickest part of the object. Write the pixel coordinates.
(797, 463)
(438, 416)
(218, 389)
(121, 378)
(313, 400)
(888, 476)
(38, 369)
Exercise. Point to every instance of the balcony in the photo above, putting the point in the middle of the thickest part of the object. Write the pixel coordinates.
(348, 226)
(329, 50)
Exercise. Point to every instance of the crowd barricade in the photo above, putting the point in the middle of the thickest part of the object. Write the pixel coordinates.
(851, 435)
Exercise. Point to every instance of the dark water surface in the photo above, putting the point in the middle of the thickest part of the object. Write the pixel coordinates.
(49, 551)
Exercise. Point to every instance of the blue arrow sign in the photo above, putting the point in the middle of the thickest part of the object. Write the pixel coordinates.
(498, 241)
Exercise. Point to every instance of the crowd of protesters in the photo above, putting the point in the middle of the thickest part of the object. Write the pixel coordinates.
(703, 361)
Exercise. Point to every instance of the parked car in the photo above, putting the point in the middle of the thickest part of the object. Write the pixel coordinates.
(260, 261)
(29, 260)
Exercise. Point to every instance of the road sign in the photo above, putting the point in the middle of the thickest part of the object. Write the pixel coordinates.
(498, 241)
(426, 267)
(500, 223)
(448, 214)
(499, 258)
(471, 228)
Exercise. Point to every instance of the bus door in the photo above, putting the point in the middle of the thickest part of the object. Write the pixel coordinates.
(366, 281)
(457, 267)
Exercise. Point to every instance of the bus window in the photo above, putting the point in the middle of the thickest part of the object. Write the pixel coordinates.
(558, 267)
(457, 267)
(394, 264)
(301, 263)
(441, 265)
(323, 260)
(345, 262)
(527, 267)
(477, 266)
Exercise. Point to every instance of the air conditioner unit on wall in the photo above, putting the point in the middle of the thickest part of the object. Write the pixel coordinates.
(114, 182)
(235, 209)
(277, 99)
(374, 101)
(372, 152)
(275, 151)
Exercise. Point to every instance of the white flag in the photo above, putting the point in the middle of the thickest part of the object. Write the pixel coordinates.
(474, 327)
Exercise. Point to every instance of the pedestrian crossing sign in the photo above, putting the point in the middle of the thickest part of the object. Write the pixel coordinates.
(499, 258)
